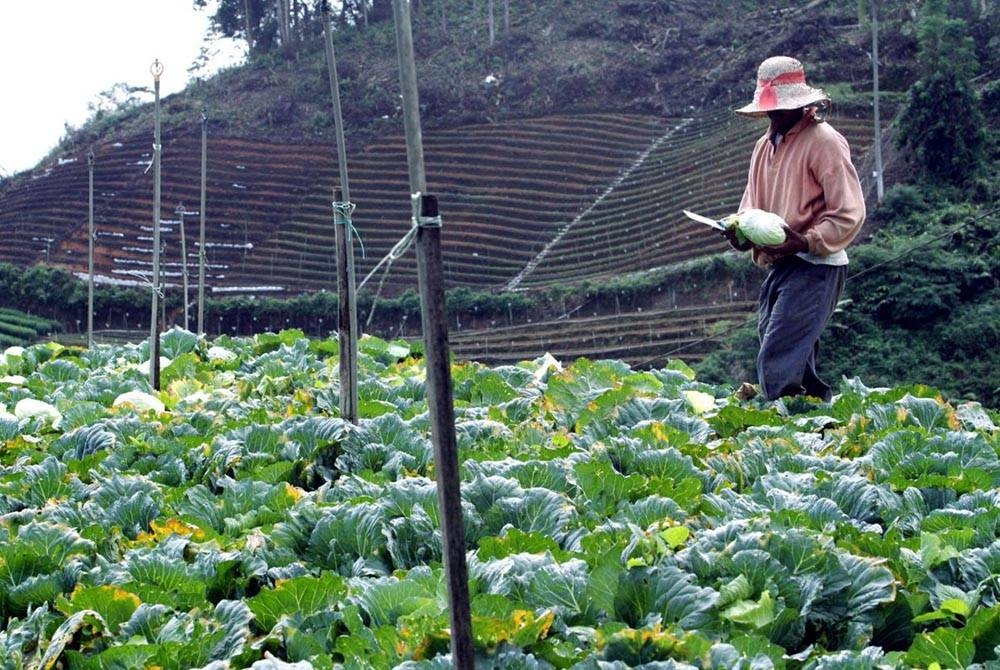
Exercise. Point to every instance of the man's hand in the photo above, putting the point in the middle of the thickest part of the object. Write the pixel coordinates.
(730, 234)
(794, 243)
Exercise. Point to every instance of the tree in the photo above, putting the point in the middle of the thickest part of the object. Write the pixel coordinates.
(944, 125)
(264, 24)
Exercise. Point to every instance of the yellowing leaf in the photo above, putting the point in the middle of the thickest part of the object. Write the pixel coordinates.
(676, 536)
(699, 401)
(140, 401)
(956, 606)
(162, 529)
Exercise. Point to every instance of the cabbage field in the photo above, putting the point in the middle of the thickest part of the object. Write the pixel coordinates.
(614, 518)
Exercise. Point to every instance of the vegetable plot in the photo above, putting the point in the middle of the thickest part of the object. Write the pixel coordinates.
(614, 518)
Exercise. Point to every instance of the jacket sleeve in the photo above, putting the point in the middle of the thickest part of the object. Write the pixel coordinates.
(843, 213)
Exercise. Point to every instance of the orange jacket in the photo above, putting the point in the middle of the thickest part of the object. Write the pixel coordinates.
(810, 182)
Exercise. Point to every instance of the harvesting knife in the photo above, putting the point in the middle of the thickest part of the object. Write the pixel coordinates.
(718, 225)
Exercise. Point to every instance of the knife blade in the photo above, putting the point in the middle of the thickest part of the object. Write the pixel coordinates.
(718, 225)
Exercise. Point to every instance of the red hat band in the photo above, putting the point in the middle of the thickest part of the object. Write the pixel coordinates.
(769, 93)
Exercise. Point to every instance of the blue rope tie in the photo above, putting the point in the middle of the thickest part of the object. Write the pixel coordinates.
(342, 212)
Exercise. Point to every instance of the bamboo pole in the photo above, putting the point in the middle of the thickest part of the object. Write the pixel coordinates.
(90, 249)
(435, 326)
(201, 226)
(348, 321)
(154, 318)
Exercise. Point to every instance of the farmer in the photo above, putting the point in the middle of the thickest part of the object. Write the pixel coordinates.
(801, 170)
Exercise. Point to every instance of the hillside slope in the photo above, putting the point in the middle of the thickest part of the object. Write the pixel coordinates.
(564, 151)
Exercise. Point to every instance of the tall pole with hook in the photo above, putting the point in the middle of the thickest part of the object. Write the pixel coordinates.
(156, 69)
(440, 396)
(90, 249)
(342, 211)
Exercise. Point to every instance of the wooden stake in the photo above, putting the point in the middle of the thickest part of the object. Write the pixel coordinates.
(348, 321)
(879, 183)
(201, 227)
(435, 326)
(184, 262)
(154, 318)
(90, 250)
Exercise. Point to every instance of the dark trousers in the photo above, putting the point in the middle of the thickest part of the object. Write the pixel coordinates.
(796, 302)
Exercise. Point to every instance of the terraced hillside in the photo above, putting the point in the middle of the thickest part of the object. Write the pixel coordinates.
(637, 224)
(700, 165)
(640, 338)
(525, 203)
(505, 189)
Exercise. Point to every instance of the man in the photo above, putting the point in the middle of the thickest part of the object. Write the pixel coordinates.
(800, 170)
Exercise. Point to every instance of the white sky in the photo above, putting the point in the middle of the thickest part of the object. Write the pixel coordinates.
(56, 56)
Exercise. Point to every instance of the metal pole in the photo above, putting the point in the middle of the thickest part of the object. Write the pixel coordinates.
(90, 249)
(184, 263)
(348, 322)
(440, 399)
(201, 227)
(154, 318)
(879, 186)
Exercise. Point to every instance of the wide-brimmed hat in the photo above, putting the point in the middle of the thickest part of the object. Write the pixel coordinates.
(781, 84)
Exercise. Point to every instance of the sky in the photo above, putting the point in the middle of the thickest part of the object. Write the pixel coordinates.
(57, 56)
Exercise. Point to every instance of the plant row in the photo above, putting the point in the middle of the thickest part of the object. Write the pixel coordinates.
(612, 518)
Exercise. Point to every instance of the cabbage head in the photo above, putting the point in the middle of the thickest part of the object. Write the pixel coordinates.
(762, 228)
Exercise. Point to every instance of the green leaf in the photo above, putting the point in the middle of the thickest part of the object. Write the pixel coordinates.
(603, 486)
(928, 413)
(115, 605)
(685, 492)
(985, 627)
(570, 392)
(538, 510)
(496, 620)
(516, 541)
(956, 606)
(971, 415)
(754, 613)
(675, 536)
(947, 647)
(562, 586)
(234, 618)
(871, 584)
(386, 599)
(121, 657)
(265, 342)
(176, 342)
(370, 409)
(346, 534)
(665, 591)
(489, 387)
(386, 351)
(733, 419)
(376, 646)
(635, 647)
(64, 634)
(46, 481)
(737, 589)
(934, 550)
(677, 365)
(606, 570)
(755, 646)
(184, 366)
